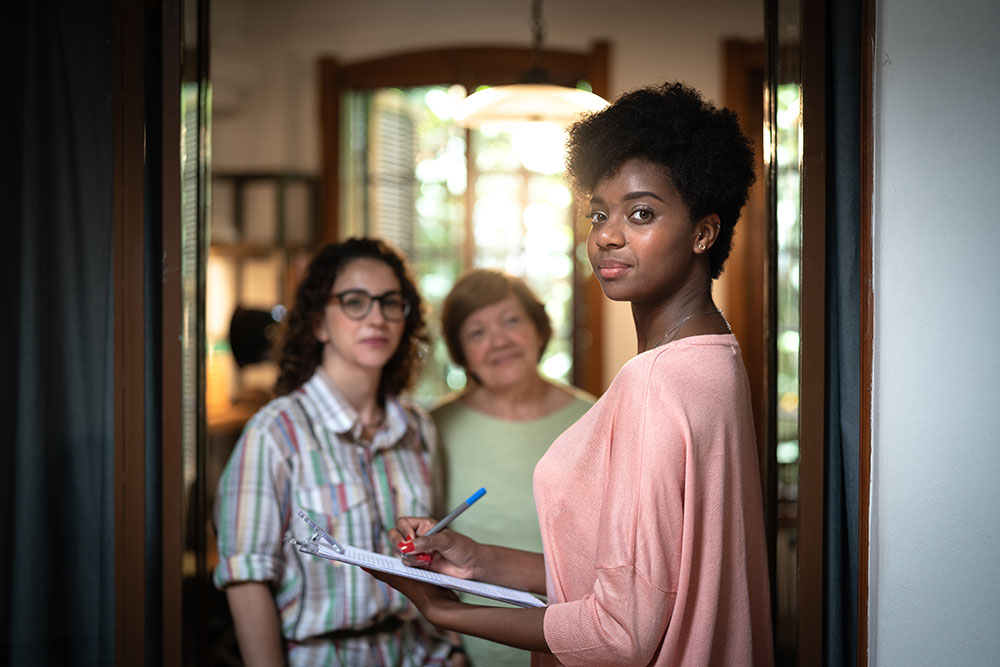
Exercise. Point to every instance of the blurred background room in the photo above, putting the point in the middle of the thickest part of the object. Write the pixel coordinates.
(330, 120)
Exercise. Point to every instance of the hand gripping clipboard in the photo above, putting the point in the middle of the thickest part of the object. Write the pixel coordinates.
(344, 553)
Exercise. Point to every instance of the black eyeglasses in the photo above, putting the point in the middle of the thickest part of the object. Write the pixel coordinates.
(357, 303)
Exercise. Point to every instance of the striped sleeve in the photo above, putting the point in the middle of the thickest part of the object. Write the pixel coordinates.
(248, 509)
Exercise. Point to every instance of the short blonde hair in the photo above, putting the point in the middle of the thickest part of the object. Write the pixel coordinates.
(484, 287)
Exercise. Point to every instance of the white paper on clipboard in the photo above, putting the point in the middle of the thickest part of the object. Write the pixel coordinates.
(383, 563)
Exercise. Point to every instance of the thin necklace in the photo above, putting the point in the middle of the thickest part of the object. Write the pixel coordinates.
(668, 336)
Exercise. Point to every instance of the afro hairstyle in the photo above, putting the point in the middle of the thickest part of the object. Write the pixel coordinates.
(701, 149)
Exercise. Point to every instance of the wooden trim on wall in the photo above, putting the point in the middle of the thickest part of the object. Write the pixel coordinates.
(468, 66)
(588, 360)
(746, 285)
(129, 336)
(812, 359)
(469, 199)
(598, 68)
(172, 327)
(868, 15)
(769, 465)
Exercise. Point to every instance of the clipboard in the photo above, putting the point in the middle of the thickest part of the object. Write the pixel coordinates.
(371, 560)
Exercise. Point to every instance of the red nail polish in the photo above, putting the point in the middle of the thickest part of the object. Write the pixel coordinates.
(423, 558)
(405, 547)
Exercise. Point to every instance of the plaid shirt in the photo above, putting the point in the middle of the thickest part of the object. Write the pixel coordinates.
(303, 450)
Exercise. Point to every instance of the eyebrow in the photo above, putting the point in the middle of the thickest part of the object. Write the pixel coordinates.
(638, 194)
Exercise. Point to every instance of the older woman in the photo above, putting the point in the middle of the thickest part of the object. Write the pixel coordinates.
(650, 504)
(495, 431)
(339, 444)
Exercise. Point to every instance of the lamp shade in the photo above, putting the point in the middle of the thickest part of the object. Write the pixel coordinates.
(522, 102)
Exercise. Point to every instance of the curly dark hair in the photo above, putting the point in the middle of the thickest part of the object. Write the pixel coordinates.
(700, 147)
(301, 352)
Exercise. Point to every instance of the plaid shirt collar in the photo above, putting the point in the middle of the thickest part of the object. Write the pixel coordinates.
(340, 415)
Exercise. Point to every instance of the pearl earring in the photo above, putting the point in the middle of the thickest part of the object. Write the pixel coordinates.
(701, 246)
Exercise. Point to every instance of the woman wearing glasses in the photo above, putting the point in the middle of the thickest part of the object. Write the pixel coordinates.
(340, 445)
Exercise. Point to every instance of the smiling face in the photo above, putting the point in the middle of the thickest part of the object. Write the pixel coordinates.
(500, 344)
(642, 244)
(366, 344)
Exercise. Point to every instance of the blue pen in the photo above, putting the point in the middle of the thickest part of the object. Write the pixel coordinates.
(406, 546)
(464, 505)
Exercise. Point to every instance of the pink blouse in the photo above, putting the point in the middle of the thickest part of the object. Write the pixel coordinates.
(650, 510)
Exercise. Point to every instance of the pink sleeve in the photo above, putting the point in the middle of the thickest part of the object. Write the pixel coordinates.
(622, 622)
(641, 519)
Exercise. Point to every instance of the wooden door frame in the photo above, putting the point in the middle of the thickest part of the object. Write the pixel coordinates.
(470, 67)
(813, 67)
(136, 119)
(171, 337)
(751, 302)
(812, 355)
(749, 295)
(129, 335)
(810, 52)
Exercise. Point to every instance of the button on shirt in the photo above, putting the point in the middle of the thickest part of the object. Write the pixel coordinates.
(304, 451)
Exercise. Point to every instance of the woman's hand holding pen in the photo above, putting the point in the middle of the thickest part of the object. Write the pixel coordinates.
(453, 553)
(424, 543)
(460, 556)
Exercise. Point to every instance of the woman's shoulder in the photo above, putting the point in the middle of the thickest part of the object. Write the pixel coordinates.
(275, 427)
(562, 402)
(577, 395)
(573, 403)
(274, 410)
(446, 402)
(411, 411)
(452, 415)
(690, 352)
(449, 407)
(313, 401)
(311, 397)
(706, 361)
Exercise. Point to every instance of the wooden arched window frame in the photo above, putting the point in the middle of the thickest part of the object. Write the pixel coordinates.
(471, 67)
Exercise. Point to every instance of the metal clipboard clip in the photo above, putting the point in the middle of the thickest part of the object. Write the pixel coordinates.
(312, 546)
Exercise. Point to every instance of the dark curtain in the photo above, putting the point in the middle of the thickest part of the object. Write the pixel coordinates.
(844, 334)
(57, 568)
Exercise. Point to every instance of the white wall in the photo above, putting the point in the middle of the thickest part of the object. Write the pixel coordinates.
(935, 522)
(264, 65)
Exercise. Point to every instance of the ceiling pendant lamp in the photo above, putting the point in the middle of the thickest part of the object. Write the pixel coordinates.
(536, 97)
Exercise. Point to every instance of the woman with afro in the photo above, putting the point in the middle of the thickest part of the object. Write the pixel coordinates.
(649, 505)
